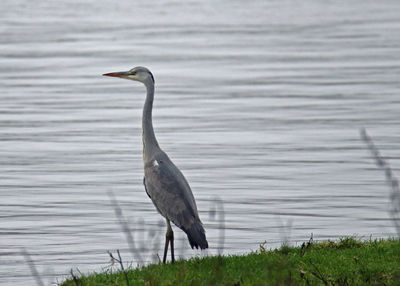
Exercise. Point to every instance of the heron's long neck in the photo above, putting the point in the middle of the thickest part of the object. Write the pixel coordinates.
(150, 143)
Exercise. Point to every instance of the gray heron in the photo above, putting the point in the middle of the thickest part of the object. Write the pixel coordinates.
(163, 181)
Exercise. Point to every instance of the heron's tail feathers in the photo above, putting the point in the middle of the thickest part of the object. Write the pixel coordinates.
(196, 235)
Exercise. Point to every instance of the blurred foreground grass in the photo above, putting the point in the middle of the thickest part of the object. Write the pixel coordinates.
(346, 262)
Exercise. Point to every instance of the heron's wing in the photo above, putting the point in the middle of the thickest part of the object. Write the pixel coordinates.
(170, 193)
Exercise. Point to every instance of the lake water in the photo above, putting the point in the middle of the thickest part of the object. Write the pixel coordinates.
(259, 103)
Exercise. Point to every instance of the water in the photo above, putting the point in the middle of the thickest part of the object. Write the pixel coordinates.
(260, 104)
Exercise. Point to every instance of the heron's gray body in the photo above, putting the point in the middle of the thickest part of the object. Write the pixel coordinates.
(163, 181)
(171, 194)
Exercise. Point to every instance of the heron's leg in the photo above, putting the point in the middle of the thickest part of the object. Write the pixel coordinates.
(166, 242)
(169, 238)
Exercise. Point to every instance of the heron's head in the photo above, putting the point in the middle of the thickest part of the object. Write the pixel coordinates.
(141, 74)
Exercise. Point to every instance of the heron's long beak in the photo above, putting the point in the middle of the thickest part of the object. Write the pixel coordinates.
(117, 74)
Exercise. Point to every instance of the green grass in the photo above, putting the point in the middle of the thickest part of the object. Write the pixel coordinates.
(346, 262)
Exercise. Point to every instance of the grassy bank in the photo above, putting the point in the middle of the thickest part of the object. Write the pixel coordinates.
(346, 262)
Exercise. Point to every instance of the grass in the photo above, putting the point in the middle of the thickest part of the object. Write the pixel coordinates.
(345, 262)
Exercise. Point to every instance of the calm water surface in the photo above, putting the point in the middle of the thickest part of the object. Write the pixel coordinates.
(258, 102)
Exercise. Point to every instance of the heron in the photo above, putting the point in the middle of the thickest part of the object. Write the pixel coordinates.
(164, 183)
